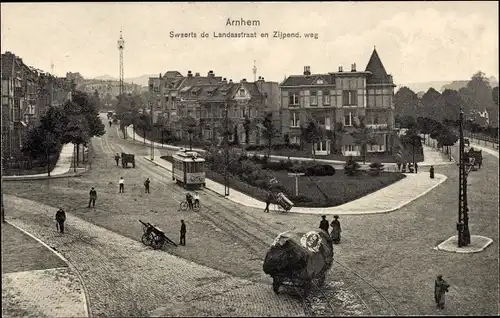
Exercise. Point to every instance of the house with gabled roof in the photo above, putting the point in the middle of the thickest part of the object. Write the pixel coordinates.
(340, 102)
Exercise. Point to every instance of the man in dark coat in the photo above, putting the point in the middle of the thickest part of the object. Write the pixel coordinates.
(324, 224)
(189, 199)
(183, 233)
(416, 167)
(269, 199)
(431, 172)
(117, 158)
(146, 185)
(440, 289)
(60, 219)
(93, 197)
(335, 234)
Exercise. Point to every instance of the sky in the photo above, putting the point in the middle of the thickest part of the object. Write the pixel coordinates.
(416, 41)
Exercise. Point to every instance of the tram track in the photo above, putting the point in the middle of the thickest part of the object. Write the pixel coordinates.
(239, 227)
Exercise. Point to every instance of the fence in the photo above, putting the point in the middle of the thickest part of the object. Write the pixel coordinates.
(16, 166)
(482, 140)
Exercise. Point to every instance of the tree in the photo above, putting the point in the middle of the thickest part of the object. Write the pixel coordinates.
(477, 96)
(363, 137)
(76, 132)
(189, 125)
(269, 130)
(447, 139)
(405, 103)
(452, 102)
(431, 105)
(247, 126)
(313, 135)
(406, 122)
(412, 138)
(337, 135)
(494, 93)
(351, 167)
(143, 123)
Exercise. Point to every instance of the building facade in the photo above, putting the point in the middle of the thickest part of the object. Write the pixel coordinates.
(26, 95)
(340, 103)
(206, 99)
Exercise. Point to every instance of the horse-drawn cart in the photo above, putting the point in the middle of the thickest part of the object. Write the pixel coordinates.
(154, 236)
(283, 204)
(126, 158)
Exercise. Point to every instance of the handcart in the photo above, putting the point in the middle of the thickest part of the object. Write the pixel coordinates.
(154, 236)
(283, 204)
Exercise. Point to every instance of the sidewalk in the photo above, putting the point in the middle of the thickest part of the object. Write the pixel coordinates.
(432, 157)
(388, 199)
(61, 168)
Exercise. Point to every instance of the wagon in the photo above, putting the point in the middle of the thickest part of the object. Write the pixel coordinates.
(128, 158)
(299, 259)
(154, 236)
(283, 204)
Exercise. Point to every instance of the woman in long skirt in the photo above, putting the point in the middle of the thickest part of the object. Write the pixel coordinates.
(335, 233)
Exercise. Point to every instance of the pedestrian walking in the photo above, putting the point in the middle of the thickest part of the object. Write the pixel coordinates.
(404, 167)
(335, 234)
(324, 224)
(122, 185)
(416, 167)
(146, 185)
(440, 289)
(117, 158)
(431, 172)
(60, 219)
(399, 166)
(182, 240)
(110, 123)
(269, 199)
(93, 197)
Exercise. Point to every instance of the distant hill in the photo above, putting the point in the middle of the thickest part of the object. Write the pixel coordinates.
(442, 85)
(140, 80)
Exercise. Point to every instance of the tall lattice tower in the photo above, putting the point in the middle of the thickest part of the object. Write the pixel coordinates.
(254, 69)
(121, 46)
(52, 67)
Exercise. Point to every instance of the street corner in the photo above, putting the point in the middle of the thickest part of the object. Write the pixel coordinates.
(477, 244)
(55, 292)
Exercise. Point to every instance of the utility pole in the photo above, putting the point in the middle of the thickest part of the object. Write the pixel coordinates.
(226, 139)
(151, 139)
(254, 69)
(3, 210)
(464, 168)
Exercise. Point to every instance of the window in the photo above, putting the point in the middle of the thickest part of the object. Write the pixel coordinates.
(293, 99)
(348, 119)
(349, 148)
(5, 100)
(242, 92)
(313, 99)
(207, 133)
(295, 140)
(321, 146)
(326, 98)
(319, 81)
(349, 98)
(375, 119)
(380, 147)
(294, 120)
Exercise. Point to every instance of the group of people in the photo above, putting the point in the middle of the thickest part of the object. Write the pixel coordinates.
(193, 200)
(336, 230)
(412, 167)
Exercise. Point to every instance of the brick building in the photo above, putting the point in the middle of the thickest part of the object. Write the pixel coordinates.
(340, 102)
(205, 99)
(26, 94)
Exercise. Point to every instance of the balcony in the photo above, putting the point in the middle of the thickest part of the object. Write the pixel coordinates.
(377, 126)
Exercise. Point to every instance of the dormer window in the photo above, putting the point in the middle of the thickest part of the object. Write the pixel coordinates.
(320, 82)
(242, 92)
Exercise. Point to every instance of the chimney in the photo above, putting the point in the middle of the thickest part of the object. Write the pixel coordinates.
(197, 74)
(211, 74)
(390, 78)
(243, 80)
(262, 78)
(341, 68)
(224, 80)
(231, 81)
(353, 67)
(159, 75)
(190, 74)
(307, 70)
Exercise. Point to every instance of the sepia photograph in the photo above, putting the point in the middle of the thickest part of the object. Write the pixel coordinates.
(250, 159)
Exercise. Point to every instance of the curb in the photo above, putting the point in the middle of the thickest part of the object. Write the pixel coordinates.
(33, 177)
(458, 251)
(443, 179)
(86, 302)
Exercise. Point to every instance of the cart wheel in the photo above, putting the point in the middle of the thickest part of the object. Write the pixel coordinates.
(184, 206)
(146, 239)
(276, 285)
(157, 243)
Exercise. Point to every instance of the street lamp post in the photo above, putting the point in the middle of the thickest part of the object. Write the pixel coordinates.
(151, 141)
(463, 210)
(3, 210)
(226, 139)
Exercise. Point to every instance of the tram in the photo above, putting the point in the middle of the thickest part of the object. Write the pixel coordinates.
(188, 168)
